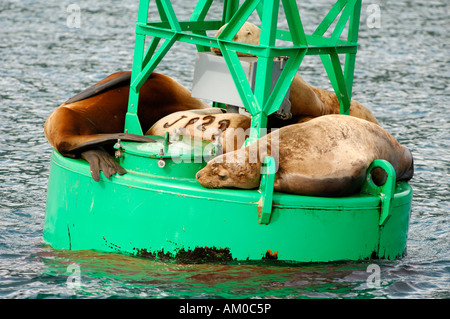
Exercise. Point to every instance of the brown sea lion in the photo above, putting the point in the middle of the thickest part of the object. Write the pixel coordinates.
(307, 101)
(231, 129)
(326, 156)
(95, 118)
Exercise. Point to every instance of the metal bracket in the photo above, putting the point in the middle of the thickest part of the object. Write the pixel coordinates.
(268, 171)
(385, 191)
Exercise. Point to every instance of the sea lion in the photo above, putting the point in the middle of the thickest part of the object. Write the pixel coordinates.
(326, 156)
(95, 118)
(231, 129)
(248, 33)
(307, 101)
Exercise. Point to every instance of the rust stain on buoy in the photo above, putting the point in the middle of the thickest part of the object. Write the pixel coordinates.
(271, 255)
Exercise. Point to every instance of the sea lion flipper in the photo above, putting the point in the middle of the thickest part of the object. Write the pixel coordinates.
(100, 160)
(99, 140)
(116, 80)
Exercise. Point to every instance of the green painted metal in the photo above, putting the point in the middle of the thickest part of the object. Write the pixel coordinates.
(165, 212)
(385, 191)
(199, 15)
(158, 208)
(266, 188)
(263, 101)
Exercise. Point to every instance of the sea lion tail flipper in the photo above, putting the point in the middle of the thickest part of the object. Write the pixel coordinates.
(98, 140)
(100, 160)
(115, 80)
(408, 174)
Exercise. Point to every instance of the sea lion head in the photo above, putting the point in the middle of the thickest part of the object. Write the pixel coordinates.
(228, 171)
(248, 33)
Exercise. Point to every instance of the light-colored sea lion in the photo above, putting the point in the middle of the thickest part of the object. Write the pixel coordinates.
(95, 118)
(307, 101)
(326, 156)
(310, 101)
(231, 129)
(248, 33)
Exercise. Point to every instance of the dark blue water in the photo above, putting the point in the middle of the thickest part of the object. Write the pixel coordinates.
(402, 75)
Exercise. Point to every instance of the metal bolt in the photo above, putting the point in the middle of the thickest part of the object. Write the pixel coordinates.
(119, 151)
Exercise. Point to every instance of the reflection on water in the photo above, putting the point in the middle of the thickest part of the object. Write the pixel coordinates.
(402, 75)
(123, 276)
(98, 272)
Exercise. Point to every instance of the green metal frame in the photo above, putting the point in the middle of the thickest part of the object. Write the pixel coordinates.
(264, 101)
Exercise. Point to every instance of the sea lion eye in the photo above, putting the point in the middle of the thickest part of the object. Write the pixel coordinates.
(223, 174)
